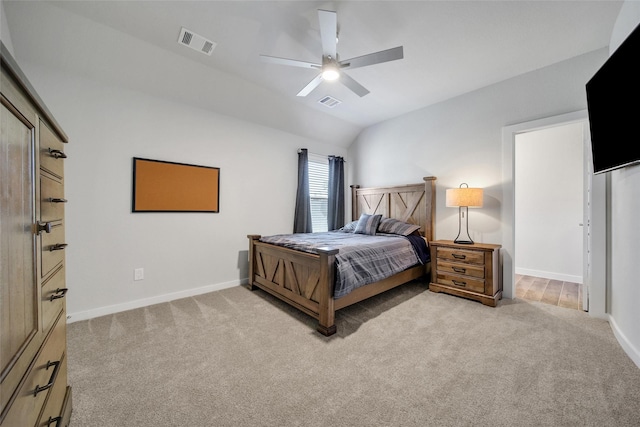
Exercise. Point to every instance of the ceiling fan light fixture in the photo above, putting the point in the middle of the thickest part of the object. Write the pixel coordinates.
(330, 72)
(331, 67)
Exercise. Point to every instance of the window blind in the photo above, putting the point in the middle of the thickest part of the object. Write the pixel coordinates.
(318, 191)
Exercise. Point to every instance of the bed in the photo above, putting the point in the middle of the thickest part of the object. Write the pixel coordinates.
(306, 279)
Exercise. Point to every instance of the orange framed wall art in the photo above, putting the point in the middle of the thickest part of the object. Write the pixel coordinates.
(161, 186)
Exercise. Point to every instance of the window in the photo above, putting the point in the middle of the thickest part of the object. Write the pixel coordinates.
(318, 191)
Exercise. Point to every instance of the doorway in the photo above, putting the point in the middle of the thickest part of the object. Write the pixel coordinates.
(594, 271)
(549, 183)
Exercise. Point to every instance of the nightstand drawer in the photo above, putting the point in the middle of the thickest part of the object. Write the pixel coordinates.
(461, 282)
(459, 268)
(461, 255)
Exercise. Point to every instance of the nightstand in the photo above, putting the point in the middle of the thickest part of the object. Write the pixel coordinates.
(469, 271)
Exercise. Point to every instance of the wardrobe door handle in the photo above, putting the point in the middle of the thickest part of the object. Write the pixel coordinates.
(57, 200)
(44, 226)
(59, 293)
(52, 379)
(54, 420)
(57, 247)
(57, 154)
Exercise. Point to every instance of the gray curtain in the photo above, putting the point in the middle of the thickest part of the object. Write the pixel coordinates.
(302, 218)
(335, 203)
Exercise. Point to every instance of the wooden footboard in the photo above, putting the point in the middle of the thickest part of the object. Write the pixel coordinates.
(306, 281)
(301, 279)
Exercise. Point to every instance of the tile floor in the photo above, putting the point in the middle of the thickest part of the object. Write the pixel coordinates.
(549, 291)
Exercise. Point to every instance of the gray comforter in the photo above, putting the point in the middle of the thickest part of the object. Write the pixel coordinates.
(362, 259)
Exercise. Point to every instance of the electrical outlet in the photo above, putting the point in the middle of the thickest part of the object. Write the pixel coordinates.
(138, 274)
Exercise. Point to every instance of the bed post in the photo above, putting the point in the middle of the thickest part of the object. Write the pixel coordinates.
(253, 238)
(326, 309)
(354, 202)
(430, 199)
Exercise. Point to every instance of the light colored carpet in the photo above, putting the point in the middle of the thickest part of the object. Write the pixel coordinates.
(408, 357)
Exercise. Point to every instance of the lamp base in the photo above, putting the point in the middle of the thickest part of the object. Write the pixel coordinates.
(463, 242)
(463, 237)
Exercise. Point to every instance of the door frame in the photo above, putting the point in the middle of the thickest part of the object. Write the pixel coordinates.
(594, 280)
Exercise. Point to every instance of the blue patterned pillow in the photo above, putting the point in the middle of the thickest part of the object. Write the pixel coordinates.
(395, 226)
(368, 224)
(350, 227)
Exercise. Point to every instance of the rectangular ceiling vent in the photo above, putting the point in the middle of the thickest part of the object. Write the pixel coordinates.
(329, 101)
(196, 42)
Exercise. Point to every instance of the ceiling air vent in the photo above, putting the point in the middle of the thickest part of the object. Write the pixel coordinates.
(329, 101)
(196, 42)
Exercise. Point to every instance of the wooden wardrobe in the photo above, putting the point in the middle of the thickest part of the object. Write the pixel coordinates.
(33, 348)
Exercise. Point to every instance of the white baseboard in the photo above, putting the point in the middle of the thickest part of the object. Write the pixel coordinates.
(130, 305)
(549, 275)
(628, 347)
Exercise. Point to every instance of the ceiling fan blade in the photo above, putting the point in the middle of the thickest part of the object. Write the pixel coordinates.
(311, 86)
(355, 87)
(374, 58)
(292, 62)
(328, 32)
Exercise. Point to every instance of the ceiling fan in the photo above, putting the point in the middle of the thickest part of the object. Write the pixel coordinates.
(331, 67)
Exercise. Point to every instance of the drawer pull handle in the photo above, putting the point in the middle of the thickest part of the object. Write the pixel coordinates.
(52, 379)
(57, 200)
(54, 420)
(59, 293)
(459, 256)
(58, 247)
(44, 226)
(459, 270)
(57, 154)
(456, 282)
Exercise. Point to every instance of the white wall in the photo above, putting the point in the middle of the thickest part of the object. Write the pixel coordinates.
(182, 253)
(5, 36)
(625, 233)
(549, 202)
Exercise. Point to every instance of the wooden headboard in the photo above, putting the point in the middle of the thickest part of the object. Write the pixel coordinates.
(413, 203)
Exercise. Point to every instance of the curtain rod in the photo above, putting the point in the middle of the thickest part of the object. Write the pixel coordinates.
(319, 155)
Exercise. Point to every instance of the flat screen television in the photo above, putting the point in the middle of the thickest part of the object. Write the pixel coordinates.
(613, 106)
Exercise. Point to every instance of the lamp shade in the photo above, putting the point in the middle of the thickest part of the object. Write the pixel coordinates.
(464, 197)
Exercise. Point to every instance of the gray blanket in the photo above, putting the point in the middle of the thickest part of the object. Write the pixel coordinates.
(362, 259)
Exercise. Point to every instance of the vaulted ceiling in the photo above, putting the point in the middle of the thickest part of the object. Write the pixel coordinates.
(450, 48)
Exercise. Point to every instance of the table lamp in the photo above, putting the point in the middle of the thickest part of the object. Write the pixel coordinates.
(464, 198)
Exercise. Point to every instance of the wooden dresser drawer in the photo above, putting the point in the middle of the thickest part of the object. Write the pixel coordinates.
(39, 379)
(52, 247)
(53, 298)
(51, 199)
(462, 282)
(461, 255)
(51, 152)
(52, 414)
